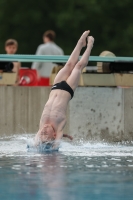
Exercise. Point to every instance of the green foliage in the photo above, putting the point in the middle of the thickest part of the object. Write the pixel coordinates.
(110, 23)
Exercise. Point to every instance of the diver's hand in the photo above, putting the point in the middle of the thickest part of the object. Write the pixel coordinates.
(68, 136)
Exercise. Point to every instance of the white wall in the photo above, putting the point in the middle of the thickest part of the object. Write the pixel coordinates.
(102, 113)
(96, 113)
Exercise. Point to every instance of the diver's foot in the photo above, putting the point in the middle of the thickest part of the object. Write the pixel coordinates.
(83, 38)
(90, 42)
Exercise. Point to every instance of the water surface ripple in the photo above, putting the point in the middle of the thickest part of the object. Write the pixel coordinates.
(78, 171)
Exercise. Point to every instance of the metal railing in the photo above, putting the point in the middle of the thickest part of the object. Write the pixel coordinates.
(59, 59)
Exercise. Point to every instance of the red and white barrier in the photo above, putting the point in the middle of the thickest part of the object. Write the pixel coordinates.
(29, 77)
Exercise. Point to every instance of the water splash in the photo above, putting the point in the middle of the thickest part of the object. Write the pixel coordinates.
(15, 145)
(96, 149)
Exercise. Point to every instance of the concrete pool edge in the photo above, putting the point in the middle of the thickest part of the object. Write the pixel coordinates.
(95, 113)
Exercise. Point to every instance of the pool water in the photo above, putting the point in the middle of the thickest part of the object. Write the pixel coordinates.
(81, 171)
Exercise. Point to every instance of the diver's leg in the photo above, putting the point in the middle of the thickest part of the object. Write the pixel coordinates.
(73, 79)
(65, 72)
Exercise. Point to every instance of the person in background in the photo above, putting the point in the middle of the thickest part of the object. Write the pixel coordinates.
(11, 47)
(48, 48)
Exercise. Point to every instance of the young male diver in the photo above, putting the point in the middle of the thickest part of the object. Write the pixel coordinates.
(53, 118)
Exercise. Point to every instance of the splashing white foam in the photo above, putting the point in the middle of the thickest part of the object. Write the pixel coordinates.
(96, 149)
(15, 145)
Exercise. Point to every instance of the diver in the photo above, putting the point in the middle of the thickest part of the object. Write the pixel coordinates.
(53, 118)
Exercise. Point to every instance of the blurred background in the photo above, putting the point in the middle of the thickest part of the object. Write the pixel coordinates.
(110, 22)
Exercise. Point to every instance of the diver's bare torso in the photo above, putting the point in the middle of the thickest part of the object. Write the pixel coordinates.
(54, 112)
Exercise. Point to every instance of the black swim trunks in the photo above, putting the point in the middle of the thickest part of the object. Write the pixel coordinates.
(63, 86)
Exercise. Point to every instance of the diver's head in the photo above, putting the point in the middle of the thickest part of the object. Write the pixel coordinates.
(45, 139)
(47, 133)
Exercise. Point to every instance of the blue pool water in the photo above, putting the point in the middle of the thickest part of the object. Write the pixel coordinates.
(92, 171)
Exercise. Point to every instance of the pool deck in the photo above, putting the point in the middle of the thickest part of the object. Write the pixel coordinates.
(95, 113)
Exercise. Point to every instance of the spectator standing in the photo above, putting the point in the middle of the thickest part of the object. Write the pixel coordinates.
(48, 48)
(11, 47)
